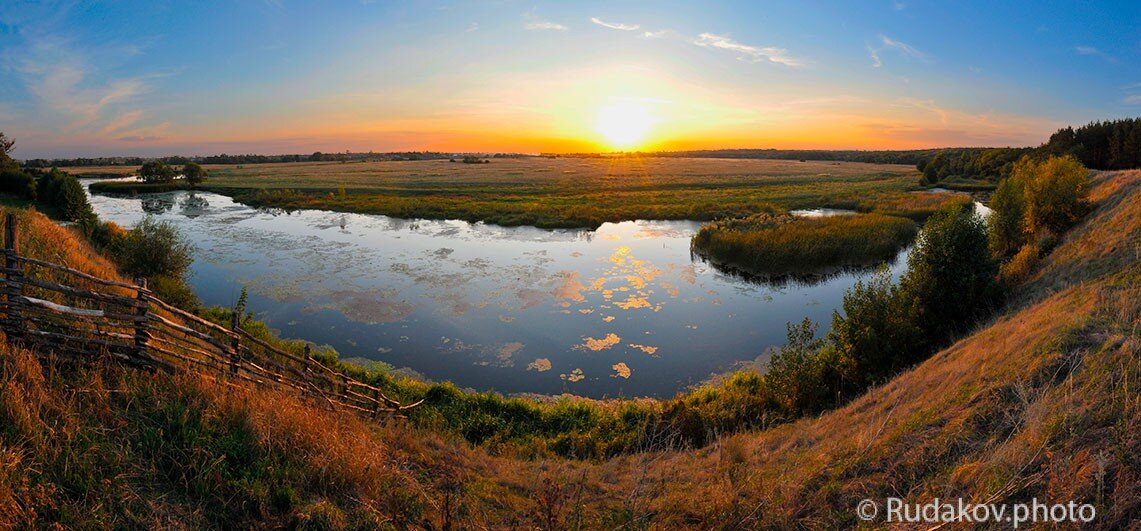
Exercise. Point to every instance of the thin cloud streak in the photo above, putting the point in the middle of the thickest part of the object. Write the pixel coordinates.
(888, 43)
(746, 51)
(615, 25)
(545, 26)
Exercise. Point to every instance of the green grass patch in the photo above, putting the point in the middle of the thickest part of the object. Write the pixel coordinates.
(777, 245)
(129, 187)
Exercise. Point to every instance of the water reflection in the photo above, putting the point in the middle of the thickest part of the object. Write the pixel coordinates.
(624, 309)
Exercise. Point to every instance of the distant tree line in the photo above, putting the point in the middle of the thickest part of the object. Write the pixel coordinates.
(909, 157)
(990, 164)
(1110, 145)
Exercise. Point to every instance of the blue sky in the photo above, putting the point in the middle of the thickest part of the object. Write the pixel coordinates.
(89, 78)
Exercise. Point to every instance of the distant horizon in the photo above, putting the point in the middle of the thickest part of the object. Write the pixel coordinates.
(494, 152)
(145, 79)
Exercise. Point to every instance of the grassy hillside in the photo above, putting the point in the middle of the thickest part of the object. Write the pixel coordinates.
(1041, 402)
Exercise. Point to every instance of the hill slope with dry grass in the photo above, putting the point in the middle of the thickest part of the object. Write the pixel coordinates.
(1041, 402)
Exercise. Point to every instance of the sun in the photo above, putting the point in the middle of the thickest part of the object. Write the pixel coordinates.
(624, 123)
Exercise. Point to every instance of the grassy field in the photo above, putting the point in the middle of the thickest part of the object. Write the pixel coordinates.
(1040, 402)
(568, 192)
(769, 245)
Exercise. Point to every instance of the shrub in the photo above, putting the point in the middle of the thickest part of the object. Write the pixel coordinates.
(1006, 228)
(14, 181)
(154, 249)
(1057, 191)
(64, 193)
(950, 279)
(193, 173)
(875, 336)
(1019, 268)
(802, 375)
(156, 171)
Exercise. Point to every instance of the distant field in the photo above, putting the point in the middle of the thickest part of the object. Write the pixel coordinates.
(568, 192)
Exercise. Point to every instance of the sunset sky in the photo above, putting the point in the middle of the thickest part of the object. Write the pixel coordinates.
(284, 76)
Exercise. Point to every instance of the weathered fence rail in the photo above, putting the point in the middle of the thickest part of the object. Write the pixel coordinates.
(74, 315)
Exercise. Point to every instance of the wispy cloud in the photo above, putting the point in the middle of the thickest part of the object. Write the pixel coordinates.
(123, 121)
(474, 26)
(927, 105)
(888, 43)
(746, 51)
(544, 25)
(898, 5)
(654, 34)
(1094, 52)
(74, 95)
(1132, 99)
(615, 25)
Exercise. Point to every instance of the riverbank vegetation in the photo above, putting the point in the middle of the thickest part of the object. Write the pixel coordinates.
(778, 245)
(568, 192)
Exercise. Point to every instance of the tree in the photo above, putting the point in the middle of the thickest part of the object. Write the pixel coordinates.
(1006, 228)
(154, 249)
(6, 145)
(950, 280)
(193, 173)
(874, 337)
(1057, 192)
(156, 171)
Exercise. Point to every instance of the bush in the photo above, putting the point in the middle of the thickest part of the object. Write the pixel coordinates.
(174, 291)
(803, 375)
(875, 336)
(153, 249)
(1006, 228)
(1019, 268)
(1040, 197)
(1057, 192)
(16, 182)
(64, 193)
(950, 279)
(156, 171)
(193, 173)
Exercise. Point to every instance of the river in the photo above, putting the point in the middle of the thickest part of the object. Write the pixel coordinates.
(624, 310)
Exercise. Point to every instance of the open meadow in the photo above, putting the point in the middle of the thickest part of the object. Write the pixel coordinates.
(567, 192)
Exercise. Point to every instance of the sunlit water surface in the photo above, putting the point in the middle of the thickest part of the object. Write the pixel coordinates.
(620, 311)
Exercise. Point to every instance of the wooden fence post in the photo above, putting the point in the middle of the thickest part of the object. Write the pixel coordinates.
(15, 277)
(235, 343)
(142, 309)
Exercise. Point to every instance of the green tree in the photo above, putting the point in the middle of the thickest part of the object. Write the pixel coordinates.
(1006, 228)
(154, 249)
(193, 173)
(6, 146)
(797, 374)
(156, 171)
(874, 337)
(950, 280)
(1057, 192)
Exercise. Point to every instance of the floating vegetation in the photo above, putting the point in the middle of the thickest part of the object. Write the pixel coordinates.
(574, 376)
(597, 345)
(539, 365)
(621, 370)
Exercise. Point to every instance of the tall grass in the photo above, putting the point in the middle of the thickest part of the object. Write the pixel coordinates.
(562, 192)
(776, 245)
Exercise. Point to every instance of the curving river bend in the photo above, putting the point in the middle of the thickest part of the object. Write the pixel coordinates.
(621, 311)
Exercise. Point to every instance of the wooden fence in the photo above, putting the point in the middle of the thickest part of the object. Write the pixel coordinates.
(54, 308)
